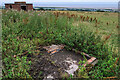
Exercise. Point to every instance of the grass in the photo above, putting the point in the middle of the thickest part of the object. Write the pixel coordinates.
(26, 31)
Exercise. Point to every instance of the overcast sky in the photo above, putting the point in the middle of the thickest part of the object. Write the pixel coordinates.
(7, 1)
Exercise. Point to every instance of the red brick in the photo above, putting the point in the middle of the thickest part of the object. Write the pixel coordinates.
(17, 6)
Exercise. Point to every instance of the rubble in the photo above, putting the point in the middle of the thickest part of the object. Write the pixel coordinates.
(63, 62)
(54, 48)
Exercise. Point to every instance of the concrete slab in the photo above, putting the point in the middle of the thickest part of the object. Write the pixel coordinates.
(56, 61)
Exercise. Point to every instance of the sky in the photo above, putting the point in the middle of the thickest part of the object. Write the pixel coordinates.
(31, 1)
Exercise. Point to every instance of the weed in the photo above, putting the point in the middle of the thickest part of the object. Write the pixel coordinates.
(23, 31)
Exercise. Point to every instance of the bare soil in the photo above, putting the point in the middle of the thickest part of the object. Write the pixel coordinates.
(56, 65)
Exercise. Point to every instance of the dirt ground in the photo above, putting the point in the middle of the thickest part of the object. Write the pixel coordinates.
(61, 64)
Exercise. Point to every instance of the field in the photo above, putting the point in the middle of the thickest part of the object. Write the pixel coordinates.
(95, 33)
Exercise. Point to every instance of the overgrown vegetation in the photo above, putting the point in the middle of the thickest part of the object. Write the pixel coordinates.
(26, 31)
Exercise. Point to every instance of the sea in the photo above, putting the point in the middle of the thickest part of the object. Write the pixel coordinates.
(101, 5)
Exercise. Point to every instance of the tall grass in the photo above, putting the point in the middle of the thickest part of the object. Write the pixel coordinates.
(25, 31)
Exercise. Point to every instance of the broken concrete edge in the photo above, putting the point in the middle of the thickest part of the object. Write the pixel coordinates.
(54, 48)
(81, 52)
(91, 61)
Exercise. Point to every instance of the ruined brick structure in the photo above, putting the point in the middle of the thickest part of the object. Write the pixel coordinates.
(19, 6)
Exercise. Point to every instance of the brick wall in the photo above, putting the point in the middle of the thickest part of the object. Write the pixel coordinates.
(7, 6)
(29, 6)
(20, 2)
(17, 7)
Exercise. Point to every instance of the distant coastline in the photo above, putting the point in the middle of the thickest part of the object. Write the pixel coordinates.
(96, 5)
(101, 5)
